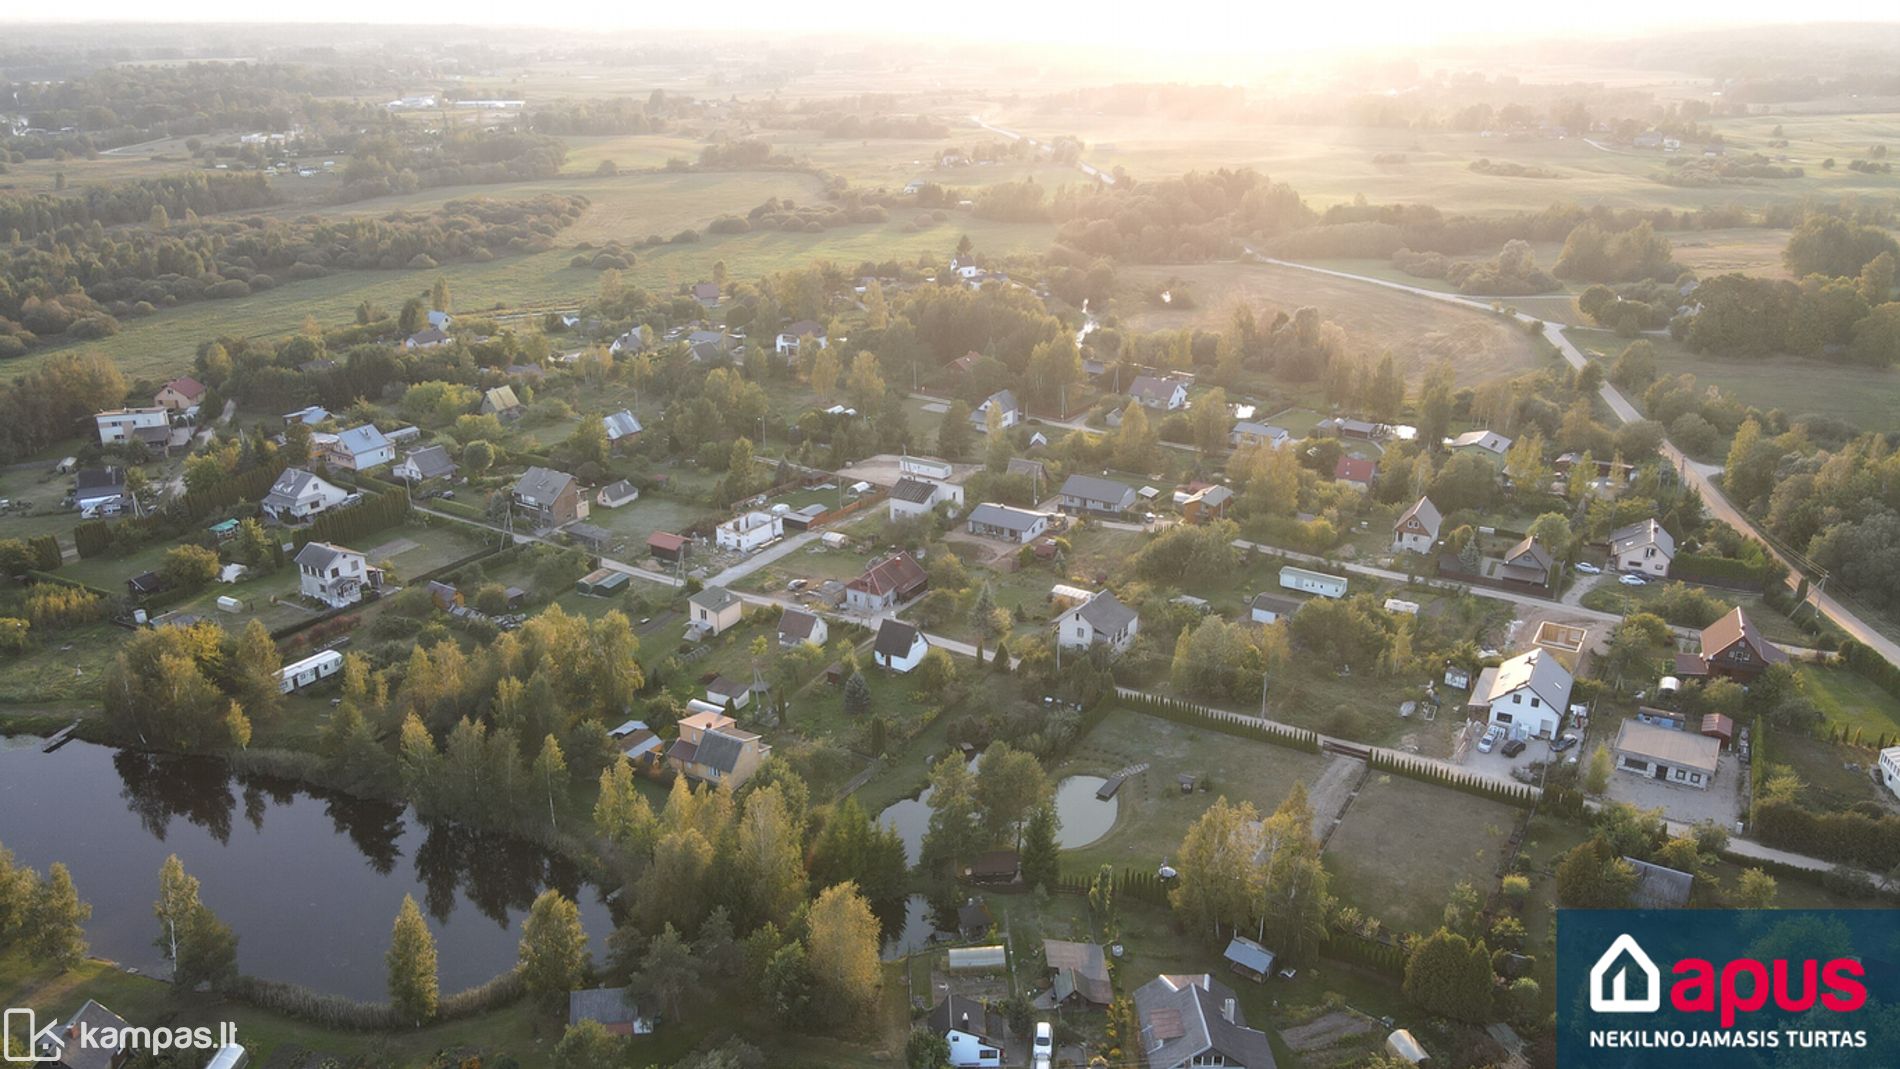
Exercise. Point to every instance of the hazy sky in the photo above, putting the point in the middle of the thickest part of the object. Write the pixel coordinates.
(1254, 27)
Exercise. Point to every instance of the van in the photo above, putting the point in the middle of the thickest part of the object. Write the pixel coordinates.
(1042, 1054)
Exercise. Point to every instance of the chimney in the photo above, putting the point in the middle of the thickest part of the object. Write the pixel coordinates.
(1227, 1011)
(966, 1021)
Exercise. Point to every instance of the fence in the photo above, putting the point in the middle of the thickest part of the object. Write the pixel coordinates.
(1517, 794)
(1185, 712)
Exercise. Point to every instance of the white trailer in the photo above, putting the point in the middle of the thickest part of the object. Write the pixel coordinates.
(309, 670)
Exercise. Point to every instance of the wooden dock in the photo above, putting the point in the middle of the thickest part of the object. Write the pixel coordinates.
(1107, 790)
(59, 738)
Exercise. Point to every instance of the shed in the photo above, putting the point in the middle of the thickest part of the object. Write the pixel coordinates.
(1249, 958)
(995, 866)
(667, 546)
(1719, 727)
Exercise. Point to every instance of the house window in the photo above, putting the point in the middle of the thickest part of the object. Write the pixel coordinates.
(1517, 699)
(1695, 778)
(1533, 703)
(1634, 765)
(1502, 718)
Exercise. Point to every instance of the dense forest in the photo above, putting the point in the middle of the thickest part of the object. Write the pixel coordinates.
(387, 164)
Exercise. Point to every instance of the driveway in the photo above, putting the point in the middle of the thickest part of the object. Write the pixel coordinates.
(1720, 803)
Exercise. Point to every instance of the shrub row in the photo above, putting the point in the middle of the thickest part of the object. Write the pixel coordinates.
(1871, 666)
(335, 1011)
(1516, 794)
(1850, 837)
(1844, 882)
(1353, 948)
(1185, 712)
(1721, 571)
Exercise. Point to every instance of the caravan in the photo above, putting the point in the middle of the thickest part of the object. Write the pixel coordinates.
(309, 670)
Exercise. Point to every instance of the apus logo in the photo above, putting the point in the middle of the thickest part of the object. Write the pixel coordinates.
(1610, 976)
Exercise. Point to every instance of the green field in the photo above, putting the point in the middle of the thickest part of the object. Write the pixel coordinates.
(1404, 844)
(1847, 699)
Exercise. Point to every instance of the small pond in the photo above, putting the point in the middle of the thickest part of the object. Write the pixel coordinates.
(1085, 818)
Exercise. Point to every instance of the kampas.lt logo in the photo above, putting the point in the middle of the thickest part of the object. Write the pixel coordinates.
(1610, 979)
(40, 1044)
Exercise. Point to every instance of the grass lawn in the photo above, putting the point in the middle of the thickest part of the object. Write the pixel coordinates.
(1405, 844)
(1847, 699)
(1153, 814)
(1835, 776)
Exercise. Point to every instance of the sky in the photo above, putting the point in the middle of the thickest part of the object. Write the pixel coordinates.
(1233, 28)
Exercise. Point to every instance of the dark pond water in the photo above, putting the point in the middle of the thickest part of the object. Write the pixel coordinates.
(310, 882)
(911, 818)
(1085, 818)
(920, 923)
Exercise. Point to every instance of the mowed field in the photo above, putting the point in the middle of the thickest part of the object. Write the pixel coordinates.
(1418, 331)
(1405, 844)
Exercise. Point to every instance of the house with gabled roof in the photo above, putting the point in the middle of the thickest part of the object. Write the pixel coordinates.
(1078, 969)
(899, 647)
(297, 495)
(549, 498)
(617, 494)
(991, 520)
(796, 626)
(361, 448)
(1417, 529)
(887, 583)
(422, 465)
(1163, 392)
(1644, 548)
(1008, 411)
(1102, 619)
(1356, 472)
(102, 492)
(179, 394)
(1248, 432)
(1488, 444)
(335, 575)
(975, 1032)
(714, 609)
(1206, 504)
(706, 293)
(501, 402)
(59, 1047)
(1734, 647)
(621, 426)
(1092, 493)
(1527, 562)
(426, 338)
(1195, 1020)
(712, 748)
(1526, 695)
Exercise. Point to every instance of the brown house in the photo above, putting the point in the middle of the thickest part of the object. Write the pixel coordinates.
(888, 582)
(550, 498)
(1731, 647)
(179, 394)
(1417, 530)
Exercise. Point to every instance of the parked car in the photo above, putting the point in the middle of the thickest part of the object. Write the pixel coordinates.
(1490, 740)
(1564, 742)
(1587, 568)
(1513, 748)
(1632, 580)
(1043, 1053)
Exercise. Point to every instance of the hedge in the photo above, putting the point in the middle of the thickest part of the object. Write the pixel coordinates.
(1824, 878)
(1356, 949)
(1871, 666)
(39, 575)
(1517, 794)
(1720, 571)
(1850, 837)
(1185, 712)
(346, 525)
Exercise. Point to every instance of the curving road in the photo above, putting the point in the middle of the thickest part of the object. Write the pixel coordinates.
(1696, 473)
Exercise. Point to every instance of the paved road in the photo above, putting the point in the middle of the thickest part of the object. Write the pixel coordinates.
(1697, 474)
(1086, 168)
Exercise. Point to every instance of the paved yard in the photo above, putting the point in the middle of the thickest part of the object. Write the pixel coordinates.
(1721, 803)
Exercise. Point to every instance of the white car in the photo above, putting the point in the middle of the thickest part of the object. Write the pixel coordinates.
(1587, 568)
(1491, 739)
(1043, 1053)
(1632, 580)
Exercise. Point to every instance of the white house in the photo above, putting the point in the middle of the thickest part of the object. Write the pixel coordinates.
(1890, 768)
(975, 1033)
(1101, 619)
(787, 341)
(1308, 581)
(440, 320)
(899, 646)
(421, 465)
(1417, 530)
(1092, 493)
(362, 448)
(1004, 401)
(1642, 547)
(335, 575)
(797, 625)
(1168, 394)
(101, 492)
(1247, 432)
(914, 495)
(1267, 608)
(298, 495)
(1487, 443)
(1526, 695)
(714, 610)
(749, 531)
(991, 520)
(152, 426)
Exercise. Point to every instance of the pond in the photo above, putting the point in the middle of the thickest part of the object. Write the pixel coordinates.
(309, 881)
(1085, 818)
(919, 929)
(911, 818)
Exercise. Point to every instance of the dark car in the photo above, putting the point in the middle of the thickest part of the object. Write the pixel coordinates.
(1513, 748)
(1564, 743)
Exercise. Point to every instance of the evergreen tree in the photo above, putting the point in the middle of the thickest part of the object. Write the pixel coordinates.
(857, 696)
(1040, 855)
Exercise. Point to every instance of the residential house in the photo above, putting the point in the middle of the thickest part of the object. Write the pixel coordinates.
(1671, 756)
(899, 646)
(1348, 427)
(335, 575)
(633, 341)
(1078, 969)
(714, 609)
(748, 531)
(1247, 432)
(1308, 581)
(1007, 524)
(1103, 620)
(179, 394)
(101, 492)
(1196, 1020)
(617, 494)
(501, 402)
(426, 338)
(610, 1007)
(713, 749)
(1417, 530)
(1009, 413)
(797, 626)
(728, 693)
(1488, 444)
(1732, 647)
(1890, 769)
(1091, 493)
(361, 448)
(1205, 504)
(706, 293)
(1527, 562)
(975, 1032)
(1642, 547)
(708, 346)
(297, 495)
(59, 1047)
(886, 584)
(152, 426)
(445, 595)
(622, 426)
(788, 340)
(1356, 472)
(915, 495)
(550, 498)
(145, 583)
(1168, 394)
(423, 465)
(1269, 608)
(439, 319)
(1526, 695)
